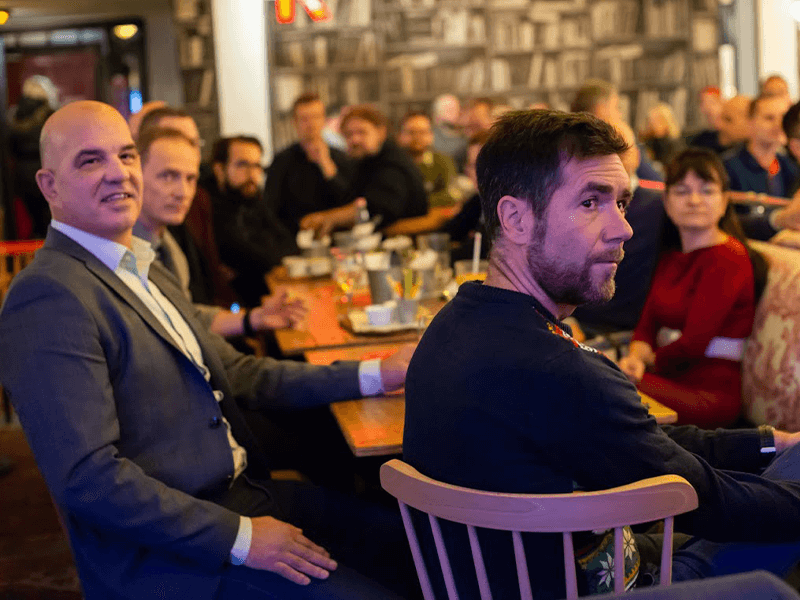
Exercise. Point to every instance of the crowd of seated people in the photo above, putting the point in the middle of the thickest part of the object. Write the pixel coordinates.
(217, 229)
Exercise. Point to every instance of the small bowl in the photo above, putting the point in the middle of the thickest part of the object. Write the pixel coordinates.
(379, 314)
(296, 266)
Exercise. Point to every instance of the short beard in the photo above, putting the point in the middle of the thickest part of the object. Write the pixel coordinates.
(566, 283)
(236, 192)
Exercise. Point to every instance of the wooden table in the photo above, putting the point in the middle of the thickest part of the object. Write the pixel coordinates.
(374, 426)
(321, 328)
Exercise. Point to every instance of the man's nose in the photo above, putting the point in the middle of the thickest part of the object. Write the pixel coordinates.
(619, 228)
(117, 170)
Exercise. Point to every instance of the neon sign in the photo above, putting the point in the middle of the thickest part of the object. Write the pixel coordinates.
(316, 9)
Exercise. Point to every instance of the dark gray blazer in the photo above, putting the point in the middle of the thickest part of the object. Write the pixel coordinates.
(124, 427)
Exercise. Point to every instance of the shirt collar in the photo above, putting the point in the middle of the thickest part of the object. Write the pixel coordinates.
(110, 253)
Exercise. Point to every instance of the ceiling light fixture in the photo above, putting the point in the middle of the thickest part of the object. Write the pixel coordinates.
(126, 31)
(4, 16)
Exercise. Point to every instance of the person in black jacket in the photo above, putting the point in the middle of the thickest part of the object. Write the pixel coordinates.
(251, 239)
(385, 175)
(25, 122)
(308, 176)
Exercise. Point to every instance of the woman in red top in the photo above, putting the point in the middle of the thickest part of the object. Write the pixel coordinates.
(687, 347)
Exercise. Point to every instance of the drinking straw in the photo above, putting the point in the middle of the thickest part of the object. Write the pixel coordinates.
(476, 252)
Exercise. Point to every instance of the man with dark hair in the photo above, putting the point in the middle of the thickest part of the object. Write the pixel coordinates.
(500, 397)
(132, 409)
(308, 176)
(438, 170)
(759, 166)
(250, 238)
(385, 175)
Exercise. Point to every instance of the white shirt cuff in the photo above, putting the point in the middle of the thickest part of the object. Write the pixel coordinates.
(241, 546)
(370, 381)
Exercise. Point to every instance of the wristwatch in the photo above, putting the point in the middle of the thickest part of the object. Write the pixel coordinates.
(767, 436)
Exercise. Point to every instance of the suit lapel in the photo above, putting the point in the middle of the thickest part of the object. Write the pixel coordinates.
(58, 241)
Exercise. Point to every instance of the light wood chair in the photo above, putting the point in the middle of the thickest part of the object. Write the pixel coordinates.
(641, 502)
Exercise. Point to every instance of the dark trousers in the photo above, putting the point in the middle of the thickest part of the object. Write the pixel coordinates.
(696, 558)
(368, 542)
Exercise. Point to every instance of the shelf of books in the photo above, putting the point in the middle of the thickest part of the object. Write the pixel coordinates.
(192, 23)
(401, 54)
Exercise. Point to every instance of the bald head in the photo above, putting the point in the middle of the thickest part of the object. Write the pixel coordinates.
(91, 175)
(60, 129)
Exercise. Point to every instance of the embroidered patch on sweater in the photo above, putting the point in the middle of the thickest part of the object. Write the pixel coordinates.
(556, 330)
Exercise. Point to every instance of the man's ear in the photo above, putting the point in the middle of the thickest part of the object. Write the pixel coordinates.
(46, 180)
(516, 219)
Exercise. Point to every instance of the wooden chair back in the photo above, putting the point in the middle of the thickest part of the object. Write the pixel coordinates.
(641, 502)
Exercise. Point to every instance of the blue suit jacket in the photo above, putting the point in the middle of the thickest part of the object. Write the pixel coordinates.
(126, 430)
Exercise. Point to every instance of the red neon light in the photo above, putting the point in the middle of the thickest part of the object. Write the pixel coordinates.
(316, 9)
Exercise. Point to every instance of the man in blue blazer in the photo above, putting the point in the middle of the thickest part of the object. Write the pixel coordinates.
(130, 407)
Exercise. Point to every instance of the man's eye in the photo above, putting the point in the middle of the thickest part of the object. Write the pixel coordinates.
(622, 205)
(89, 161)
(129, 156)
(589, 203)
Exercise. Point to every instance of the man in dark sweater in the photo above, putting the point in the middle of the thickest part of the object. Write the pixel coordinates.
(251, 239)
(500, 397)
(759, 166)
(308, 176)
(385, 175)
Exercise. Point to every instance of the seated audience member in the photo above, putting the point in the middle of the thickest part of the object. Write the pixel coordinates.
(468, 221)
(209, 280)
(662, 137)
(499, 396)
(733, 127)
(250, 238)
(130, 408)
(438, 170)
(704, 293)
(308, 176)
(478, 116)
(759, 166)
(645, 215)
(38, 101)
(170, 169)
(385, 175)
(601, 99)
(447, 136)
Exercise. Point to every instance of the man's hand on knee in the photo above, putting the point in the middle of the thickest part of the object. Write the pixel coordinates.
(283, 549)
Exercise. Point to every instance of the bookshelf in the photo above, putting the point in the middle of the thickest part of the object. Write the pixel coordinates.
(194, 36)
(519, 51)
